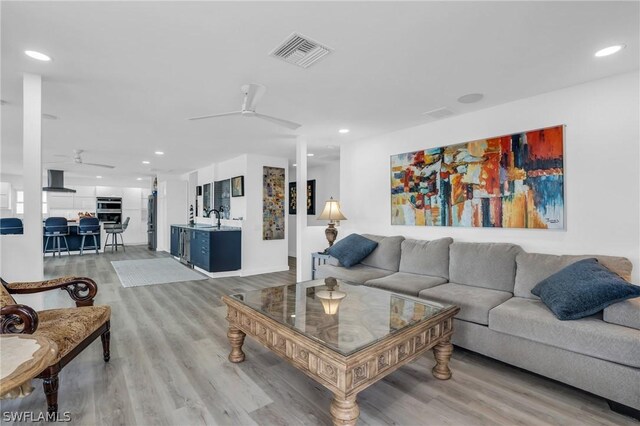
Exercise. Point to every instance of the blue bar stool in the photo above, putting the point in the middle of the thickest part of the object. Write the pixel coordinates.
(10, 225)
(57, 228)
(89, 226)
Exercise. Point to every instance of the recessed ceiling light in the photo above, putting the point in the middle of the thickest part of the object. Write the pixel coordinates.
(98, 177)
(295, 165)
(37, 55)
(146, 162)
(609, 50)
(138, 178)
(470, 98)
(159, 153)
(310, 154)
(343, 131)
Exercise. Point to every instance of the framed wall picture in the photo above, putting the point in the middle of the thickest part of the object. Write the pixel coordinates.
(311, 197)
(273, 199)
(510, 181)
(237, 186)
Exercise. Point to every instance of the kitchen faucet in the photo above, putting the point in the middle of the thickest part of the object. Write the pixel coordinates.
(217, 212)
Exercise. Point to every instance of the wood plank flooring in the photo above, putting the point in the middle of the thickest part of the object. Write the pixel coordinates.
(169, 367)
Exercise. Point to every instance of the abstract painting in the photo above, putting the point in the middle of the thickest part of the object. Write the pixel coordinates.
(273, 196)
(512, 181)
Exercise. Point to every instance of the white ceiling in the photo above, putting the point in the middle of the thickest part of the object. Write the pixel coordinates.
(125, 76)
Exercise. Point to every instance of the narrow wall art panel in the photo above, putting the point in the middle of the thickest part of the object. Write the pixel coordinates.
(512, 181)
(273, 198)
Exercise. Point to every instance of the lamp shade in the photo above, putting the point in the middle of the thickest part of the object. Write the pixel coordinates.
(331, 300)
(331, 211)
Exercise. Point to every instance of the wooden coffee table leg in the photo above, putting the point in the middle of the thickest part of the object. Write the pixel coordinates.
(344, 411)
(236, 337)
(442, 352)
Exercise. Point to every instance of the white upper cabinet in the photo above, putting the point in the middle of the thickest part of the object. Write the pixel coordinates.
(108, 191)
(131, 198)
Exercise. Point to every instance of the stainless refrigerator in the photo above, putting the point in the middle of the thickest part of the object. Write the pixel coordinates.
(152, 222)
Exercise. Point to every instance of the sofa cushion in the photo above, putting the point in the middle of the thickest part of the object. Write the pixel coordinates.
(356, 274)
(488, 265)
(425, 257)
(534, 267)
(625, 313)
(352, 249)
(532, 320)
(582, 289)
(386, 255)
(474, 302)
(402, 282)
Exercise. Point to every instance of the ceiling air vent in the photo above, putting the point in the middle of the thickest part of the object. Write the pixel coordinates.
(300, 50)
(439, 113)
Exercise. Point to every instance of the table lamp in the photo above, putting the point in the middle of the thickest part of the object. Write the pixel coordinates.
(332, 213)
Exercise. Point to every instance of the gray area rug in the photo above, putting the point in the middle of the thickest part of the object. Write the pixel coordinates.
(134, 273)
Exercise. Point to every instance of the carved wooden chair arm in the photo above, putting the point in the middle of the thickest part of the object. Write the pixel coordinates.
(18, 319)
(81, 289)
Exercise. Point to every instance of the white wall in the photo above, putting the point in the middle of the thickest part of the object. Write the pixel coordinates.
(172, 209)
(260, 256)
(327, 177)
(602, 181)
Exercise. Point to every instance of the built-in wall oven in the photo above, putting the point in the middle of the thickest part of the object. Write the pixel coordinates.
(109, 209)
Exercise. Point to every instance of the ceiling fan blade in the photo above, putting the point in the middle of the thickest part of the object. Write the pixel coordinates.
(288, 124)
(224, 114)
(106, 166)
(62, 155)
(58, 162)
(253, 93)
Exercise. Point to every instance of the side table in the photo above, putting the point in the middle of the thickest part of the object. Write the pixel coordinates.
(317, 259)
(22, 358)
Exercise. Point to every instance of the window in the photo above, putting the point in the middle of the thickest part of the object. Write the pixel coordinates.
(20, 203)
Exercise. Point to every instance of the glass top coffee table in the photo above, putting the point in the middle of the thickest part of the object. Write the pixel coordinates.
(344, 336)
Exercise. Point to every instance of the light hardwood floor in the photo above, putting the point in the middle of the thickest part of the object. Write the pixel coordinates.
(169, 367)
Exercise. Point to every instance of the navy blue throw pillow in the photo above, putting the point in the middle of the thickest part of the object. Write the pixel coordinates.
(352, 249)
(582, 289)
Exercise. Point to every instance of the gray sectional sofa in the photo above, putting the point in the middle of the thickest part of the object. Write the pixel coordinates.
(500, 318)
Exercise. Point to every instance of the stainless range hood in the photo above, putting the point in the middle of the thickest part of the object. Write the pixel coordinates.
(56, 182)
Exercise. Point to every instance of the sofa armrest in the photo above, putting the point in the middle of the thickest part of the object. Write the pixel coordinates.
(18, 319)
(81, 289)
(626, 313)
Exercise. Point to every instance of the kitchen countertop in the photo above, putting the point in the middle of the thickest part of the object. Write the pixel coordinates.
(209, 228)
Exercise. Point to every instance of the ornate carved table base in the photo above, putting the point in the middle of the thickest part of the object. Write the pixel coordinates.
(344, 375)
(344, 411)
(442, 353)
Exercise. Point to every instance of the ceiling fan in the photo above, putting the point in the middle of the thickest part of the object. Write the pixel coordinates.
(76, 158)
(252, 94)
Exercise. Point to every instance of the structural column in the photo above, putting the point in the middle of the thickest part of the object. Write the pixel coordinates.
(301, 205)
(32, 174)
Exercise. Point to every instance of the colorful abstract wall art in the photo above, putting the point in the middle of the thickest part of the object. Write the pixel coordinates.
(513, 181)
(273, 199)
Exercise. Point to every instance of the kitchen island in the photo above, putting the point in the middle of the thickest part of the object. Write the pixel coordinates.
(73, 239)
(208, 247)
